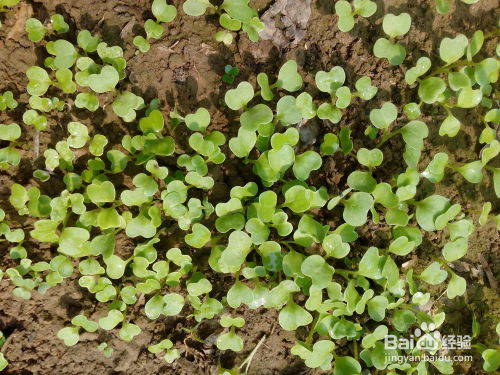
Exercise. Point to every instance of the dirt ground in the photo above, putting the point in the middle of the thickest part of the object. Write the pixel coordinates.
(184, 68)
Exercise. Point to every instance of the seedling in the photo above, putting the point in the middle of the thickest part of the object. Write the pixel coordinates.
(37, 31)
(234, 15)
(393, 26)
(346, 13)
(230, 73)
(7, 101)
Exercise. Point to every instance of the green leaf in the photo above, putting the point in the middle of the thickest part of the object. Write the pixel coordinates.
(362, 181)
(10, 132)
(199, 237)
(196, 7)
(305, 163)
(255, 116)
(79, 135)
(344, 12)
(69, 335)
(475, 44)
(101, 193)
(287, 111)
(87, 100)
(421, 67)
(288, 77)
(330, 81)
(429, 209)
(316, 268)
(141, 43)
(396, 25)
(129, 331)
(87, 42)
(450, 126)
(450, 50)
(234, 255)
(309, 231)
(370, 158)
(293, 316)
(72, 241)
(239, 294)
(356, 208)
(330, 144)
(58, 23)
(431, 90)
(456, 286)
(371, 264)
(433, 274)
(118, 160)
(491, 360)
(469, 98)
(199, 120)
(327, 111)
(162, 11)
(35, 29)
(243, 143)
(202, 286)
(39, 81)
(104, 81)
(376, 308)
(64, 52)
(346, 366)
(472, 172)
(230, 341)
(126, 104)
(240, 96)
(154, 122)
(364, 88)
(110, 321)
(382, 118)
(335, 247)
(455, 250)
(393, 52)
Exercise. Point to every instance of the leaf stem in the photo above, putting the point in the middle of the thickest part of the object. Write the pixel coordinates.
(388, 136)
(311, 331)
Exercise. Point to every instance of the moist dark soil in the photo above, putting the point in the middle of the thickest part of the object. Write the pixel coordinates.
(184, 69)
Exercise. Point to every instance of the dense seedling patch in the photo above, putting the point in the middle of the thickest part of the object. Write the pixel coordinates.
(269, 237)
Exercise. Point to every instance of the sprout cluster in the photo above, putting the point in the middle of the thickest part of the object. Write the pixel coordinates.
(234, 15)
(267, 236)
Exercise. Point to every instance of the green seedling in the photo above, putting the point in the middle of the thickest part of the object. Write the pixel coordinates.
(166, 346)
(346, 13)
(269, 239)
(230, 73)
(7, 101)
(234, 15)
(393, 26)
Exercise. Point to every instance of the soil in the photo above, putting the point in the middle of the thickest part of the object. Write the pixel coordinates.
(184, 68)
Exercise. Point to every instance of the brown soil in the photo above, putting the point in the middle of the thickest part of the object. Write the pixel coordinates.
(184, 68)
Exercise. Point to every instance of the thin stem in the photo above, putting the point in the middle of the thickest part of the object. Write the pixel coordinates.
(311, 332)
(388, 136)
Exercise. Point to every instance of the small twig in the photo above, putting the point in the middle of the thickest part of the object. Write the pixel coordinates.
(248, 360)
(487, 270)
